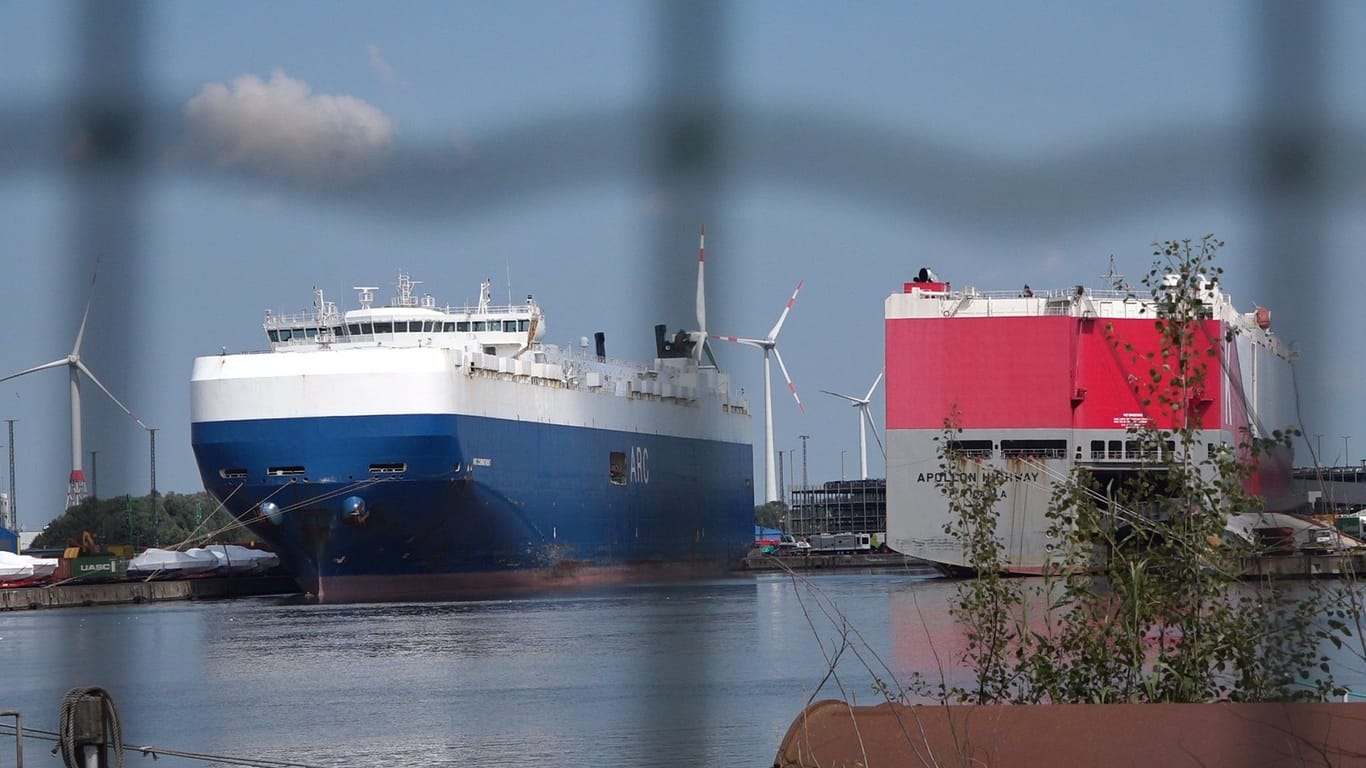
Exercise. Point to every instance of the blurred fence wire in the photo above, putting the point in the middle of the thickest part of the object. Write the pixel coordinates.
(1290, 164)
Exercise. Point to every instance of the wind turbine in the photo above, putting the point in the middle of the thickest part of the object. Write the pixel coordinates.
(865, 420)
(76, 491)
(770, 344)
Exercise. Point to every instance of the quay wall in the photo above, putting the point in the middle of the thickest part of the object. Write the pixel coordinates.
(121, 592)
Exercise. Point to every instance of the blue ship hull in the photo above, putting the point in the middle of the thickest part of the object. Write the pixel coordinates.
(441, 506)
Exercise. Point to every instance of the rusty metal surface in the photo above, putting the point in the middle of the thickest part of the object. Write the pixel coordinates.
(831, 733)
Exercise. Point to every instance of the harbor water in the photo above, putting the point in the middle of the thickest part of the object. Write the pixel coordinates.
(705, 673)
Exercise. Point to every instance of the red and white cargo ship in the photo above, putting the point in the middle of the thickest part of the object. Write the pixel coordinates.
(1042, 381)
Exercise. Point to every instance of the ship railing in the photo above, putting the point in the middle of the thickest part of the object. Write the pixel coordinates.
(619, 367)
(509, 309)
(312, 317)
(1050, 294)
(282, 319)
(1033, 453)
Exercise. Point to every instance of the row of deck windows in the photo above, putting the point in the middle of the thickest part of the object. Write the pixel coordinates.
(294, 470)
(403, 326)
(1101, 450)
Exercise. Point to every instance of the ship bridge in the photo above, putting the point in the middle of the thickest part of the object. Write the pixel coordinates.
(409, 320)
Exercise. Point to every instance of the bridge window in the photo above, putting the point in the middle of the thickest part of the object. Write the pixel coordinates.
(463, 326)
(480, 325)
(524, 325)
(401, 326)
(366, 329)
(509, 326)
(274, 335)
(353, 329)
(384, 327)
(450, 327)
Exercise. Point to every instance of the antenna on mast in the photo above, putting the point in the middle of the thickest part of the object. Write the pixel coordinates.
(1112, 278)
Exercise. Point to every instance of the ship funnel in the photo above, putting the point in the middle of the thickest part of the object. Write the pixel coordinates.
(661, 345)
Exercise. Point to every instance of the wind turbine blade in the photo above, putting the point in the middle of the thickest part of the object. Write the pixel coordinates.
(790, 385)
(711, 356)
(869, 416)
(530, 338)
(76, 350)
(851, 399)
(105, 389)
(876, 382)
(778, 326)
(42, 367)
(760, 343)
(701, 283)
(80, 334)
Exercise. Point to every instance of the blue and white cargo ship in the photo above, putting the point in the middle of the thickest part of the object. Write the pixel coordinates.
(412, 451)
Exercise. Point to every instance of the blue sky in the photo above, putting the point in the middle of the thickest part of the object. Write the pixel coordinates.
(333, 144)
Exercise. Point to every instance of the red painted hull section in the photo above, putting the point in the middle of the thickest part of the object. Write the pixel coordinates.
(1038, 372)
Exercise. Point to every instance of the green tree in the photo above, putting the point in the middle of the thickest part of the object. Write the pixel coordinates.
(772, 514)
(176, 519)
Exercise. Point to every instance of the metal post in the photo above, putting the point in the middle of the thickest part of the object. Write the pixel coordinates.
(842, 465)
(1346, 456)
(13, 500)
(791, 474)
(18, 735)
(156, 528)
(804, 438)
(781, 484)
(88, 726)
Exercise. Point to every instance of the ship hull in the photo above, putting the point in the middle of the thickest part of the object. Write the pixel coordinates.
(1033, 387)
(469, 506)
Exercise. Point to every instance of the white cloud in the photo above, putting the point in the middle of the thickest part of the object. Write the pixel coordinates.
(280, 127)
(384, 68)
